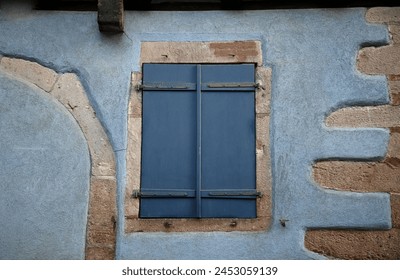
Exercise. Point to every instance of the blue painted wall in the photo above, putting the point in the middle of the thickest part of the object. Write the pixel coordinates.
(44, 176)
(312, 54)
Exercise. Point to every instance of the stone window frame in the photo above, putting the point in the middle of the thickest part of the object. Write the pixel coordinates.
(227, 52)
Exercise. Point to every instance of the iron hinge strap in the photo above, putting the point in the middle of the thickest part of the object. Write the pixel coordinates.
(166, 86)
(234, 85)
(223, 193)
(233, 193)
(137, 194)
(192, 86)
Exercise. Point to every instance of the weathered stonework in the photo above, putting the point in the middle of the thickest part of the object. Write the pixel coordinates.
(383, 176)
(394, 30)
(67, 89)
(395, 203)
(355, 244)
(368, 116)
(383, 15)
(102, 217)
(394, 144)
(32, 72)
(380, 60)
(358, 176)
(100, 253)
(70, 92)
(394, 87)
(201, 52)
(134, 151)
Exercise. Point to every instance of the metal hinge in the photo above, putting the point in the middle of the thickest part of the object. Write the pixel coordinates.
(235, 193)
(192, 193)
(166, 86)
(192, 86)
(234, 85)
(137, 194)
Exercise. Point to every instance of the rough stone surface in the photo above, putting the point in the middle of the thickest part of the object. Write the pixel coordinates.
(102, 214)
(395, 202)
(394, 30)
(369, 116)
(201, 52)
(134, 150)
(383, 15)
(31, 71)
(355, 245)
(394, 145)
(359, 176)
(69, 91)
(263, 94)
(380, 60)
(197, 225)
(394, 87)
(100, 253)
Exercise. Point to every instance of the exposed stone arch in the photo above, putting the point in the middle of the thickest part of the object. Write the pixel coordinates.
(68, 90)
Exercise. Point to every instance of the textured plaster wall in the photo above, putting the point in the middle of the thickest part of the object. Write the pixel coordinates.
(44, 176)
(312, 54)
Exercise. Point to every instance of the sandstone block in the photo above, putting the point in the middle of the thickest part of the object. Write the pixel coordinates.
(358, 176)
(201, 52)
(366, 116)
(395, 203)
(32, 72)
(100, 253)
(383, 14)
(355, 244)
(70, 92)
(379, 61)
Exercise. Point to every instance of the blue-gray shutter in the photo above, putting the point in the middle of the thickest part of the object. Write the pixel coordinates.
(198, 145)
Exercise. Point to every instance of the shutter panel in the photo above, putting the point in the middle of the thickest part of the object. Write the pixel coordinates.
(228, 141)
(168, 142)
(178, 102)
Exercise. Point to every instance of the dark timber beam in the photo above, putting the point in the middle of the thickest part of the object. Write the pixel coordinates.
(110, 15)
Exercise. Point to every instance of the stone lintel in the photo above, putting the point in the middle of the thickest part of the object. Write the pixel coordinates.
(201, 52)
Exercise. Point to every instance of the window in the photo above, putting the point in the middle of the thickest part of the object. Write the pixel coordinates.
(198, 139)
(198, 143)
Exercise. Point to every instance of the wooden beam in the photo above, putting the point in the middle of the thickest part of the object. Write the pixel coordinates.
(110, 15)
